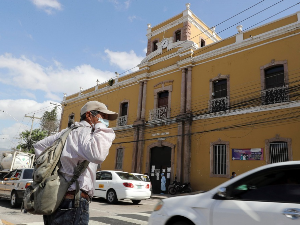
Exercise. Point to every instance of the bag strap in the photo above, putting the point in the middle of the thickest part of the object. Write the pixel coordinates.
(63, 139)
(77, 172)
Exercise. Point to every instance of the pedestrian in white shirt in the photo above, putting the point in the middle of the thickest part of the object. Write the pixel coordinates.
(90, 141)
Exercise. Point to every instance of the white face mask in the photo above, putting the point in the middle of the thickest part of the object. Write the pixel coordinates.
(104, 121)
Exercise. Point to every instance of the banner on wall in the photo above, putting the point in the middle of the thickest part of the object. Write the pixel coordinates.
(248, 154)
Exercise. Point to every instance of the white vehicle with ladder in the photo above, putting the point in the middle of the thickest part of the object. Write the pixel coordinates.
(15, 175)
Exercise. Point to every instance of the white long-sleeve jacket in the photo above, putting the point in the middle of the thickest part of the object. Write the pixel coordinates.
(82, 144)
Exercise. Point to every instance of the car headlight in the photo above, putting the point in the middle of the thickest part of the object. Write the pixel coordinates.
(159, 205)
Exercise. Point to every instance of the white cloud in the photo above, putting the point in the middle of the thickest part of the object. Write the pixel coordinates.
(145, 50)
(10, 135)
(131, 18)
(120, 4)
(127, 3)
(15, 110)
(26, 74)
(124, 60)
(12, 112)
(47, 5)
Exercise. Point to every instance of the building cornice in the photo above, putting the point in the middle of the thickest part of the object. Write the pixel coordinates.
(186, 18)
(244, 43)
(262, 108)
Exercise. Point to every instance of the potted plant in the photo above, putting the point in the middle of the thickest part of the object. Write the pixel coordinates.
(111, 82)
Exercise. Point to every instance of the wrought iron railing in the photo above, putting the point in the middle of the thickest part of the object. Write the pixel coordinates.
(219, 104)
(161, 113)
(275, 95)
(122, 121)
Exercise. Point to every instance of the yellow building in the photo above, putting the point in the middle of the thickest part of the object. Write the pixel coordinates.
(201, 107)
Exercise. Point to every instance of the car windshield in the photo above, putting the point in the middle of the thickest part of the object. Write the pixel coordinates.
(142, 177)
(28, 174)
(127, 176)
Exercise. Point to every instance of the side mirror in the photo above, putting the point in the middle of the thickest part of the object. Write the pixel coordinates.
(222, 192)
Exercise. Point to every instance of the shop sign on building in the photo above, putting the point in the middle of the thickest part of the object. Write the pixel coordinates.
(247, 154)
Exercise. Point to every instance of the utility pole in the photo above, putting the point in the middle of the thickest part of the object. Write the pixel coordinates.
(32, 117)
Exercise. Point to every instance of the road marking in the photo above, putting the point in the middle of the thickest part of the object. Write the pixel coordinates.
(92, 222)
(128, 220)
(4, 222)
(142, 214)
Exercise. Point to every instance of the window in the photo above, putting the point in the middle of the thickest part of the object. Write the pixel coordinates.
(178, 36)
(202, 42)
(105, 176)
(28, 174)
(278, 149)
(122, 120)
(124, 109)
(71, 119)
(119, 159)
(163, 99)
(154, 46)
(279, 152)
(219, 100)
(278, 184)
(274, 83)
(127, 176)
(219, 159)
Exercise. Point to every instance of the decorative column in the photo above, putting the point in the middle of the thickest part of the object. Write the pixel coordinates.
(144, 100)
(138, 117)
(187, 128)
(183, 92)
(180, 124)
(189, 90)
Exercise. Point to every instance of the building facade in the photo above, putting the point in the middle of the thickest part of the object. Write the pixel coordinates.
(200, 107)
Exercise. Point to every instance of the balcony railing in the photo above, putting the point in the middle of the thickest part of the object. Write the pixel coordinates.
(219, 104)
(122, 121)
(161, 113)
(275, 95)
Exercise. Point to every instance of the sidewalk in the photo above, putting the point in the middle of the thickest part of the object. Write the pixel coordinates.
(163, 196)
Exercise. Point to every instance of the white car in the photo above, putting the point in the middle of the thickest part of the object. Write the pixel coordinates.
(266, 195)
(119, 185)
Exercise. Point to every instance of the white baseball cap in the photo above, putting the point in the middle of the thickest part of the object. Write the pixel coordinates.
(98, 106)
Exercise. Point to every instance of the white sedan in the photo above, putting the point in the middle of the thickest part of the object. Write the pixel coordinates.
(266, 195)
(119, 185)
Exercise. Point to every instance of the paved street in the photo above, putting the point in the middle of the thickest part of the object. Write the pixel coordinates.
(101, 213)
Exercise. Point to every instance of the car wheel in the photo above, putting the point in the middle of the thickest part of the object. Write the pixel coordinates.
(14, 200)
(182, 222)
(172, 190)
(111, 196)
(135, 202)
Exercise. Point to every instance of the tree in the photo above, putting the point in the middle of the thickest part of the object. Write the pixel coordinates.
(36, 135)
(49, 121)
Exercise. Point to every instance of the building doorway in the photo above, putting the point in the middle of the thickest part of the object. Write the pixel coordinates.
(160, 163)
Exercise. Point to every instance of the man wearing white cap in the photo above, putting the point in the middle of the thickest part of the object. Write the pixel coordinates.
(90, 141)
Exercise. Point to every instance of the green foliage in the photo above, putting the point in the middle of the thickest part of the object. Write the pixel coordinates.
(49, 121)
(36, 135)
(111, 82)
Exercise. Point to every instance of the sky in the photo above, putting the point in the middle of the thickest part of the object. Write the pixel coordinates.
(52, 47)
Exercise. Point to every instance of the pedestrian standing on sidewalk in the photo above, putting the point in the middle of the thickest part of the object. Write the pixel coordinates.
(233, 175)
(90, 141)
(163, 183)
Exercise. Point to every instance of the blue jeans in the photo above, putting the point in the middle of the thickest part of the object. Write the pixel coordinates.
(67, 214)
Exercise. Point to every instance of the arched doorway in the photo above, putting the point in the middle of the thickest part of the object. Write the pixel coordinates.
(160, 162)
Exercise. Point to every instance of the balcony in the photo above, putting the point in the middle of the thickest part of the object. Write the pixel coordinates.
(161, 113)
(275, 95)
(122, 121)
(219, 104)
